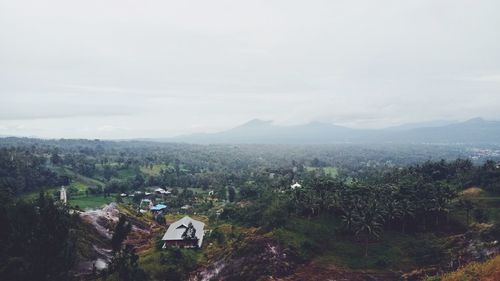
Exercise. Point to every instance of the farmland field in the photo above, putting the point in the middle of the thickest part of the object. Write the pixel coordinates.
(89, 202)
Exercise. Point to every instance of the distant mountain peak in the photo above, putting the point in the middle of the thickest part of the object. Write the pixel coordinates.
(476, 120)
(476, 130)
(256, 122)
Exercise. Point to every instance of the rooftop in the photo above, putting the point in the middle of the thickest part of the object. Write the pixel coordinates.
(176, 229)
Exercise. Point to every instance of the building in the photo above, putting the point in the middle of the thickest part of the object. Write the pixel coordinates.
(295, 185)
(176, 234)
(158, 209)
(162, 191)
(146, 204)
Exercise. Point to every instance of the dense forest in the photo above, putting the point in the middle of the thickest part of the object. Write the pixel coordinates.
(390, 208)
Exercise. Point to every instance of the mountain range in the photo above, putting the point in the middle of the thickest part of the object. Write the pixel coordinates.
(473, 131)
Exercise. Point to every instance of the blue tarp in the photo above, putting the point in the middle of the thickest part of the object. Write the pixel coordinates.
(158, 207)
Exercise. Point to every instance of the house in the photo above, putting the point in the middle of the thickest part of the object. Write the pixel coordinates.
(159, 190)
(295, 185)
(186, 207)
(162, 191)
(146, 204)
(158, 208)
(178, 233)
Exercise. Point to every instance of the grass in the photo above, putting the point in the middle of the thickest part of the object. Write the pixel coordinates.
(81, 178)
(322, 240)
(154, 171)
(78, 185)
(483, 200)
(89, 202)
(388, 252)
(489, 270)
(125, 173)
(329, 171)
(472, 191)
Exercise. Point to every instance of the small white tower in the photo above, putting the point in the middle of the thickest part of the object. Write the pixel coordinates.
(63, 197)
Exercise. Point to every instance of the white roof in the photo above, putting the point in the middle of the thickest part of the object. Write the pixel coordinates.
(176, 229)
(159, 190)
(296, 185)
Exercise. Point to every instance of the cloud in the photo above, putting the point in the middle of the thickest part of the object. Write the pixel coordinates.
(161, 68)
(32, 111)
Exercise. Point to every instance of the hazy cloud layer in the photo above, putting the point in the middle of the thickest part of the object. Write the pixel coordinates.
(120, 69)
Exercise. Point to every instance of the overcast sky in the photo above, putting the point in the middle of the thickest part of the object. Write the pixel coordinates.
(123, 69)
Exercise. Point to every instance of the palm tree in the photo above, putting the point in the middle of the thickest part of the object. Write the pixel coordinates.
(468, 205)
(365, 219)
(407, 211)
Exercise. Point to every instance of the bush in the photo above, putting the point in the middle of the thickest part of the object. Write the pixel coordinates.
(426, 251)
(476, 271)
(178, 263)
(218, 236)
(480, 215)
(383, 262)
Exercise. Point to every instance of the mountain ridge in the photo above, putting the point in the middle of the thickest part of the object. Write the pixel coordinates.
(475, 130)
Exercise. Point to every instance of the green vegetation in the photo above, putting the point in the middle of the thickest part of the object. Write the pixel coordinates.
(154, 169)
(327, 171)
(89, 202)
(323, 239)
(37, 240)
(171, 264)
(358, 208)
(488, 270)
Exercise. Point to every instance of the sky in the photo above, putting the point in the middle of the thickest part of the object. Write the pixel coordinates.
(116, 69)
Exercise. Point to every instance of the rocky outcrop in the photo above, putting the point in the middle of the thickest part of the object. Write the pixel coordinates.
(255, 258)
(96, 231)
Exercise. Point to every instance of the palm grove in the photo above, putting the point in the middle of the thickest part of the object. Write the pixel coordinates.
(417, 198)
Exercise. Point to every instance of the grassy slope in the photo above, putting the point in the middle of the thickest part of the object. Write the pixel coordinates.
(489, 270)
(155, 171)
(90, 202)
(484, 200)
(320, 239)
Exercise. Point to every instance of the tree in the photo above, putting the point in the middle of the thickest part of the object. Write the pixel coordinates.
(122, 229)
(55, 158)
(368, 223)
(38, 240)
(125, 264)
(231, 194)
(468, 206)
(189, 233)
(480, 215)
(363, 212)
(125, 260)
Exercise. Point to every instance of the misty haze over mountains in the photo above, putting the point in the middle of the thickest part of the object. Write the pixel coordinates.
(473, 131)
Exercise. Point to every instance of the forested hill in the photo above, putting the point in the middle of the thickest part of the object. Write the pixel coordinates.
(474, 131)
(27, 164)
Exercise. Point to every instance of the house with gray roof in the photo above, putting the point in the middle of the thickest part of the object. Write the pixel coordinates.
(184, 233)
